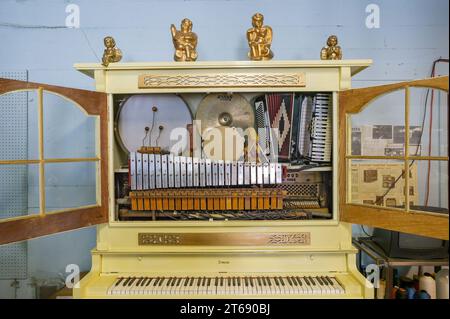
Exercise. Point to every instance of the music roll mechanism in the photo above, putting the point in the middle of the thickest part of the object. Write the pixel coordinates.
(243, 157)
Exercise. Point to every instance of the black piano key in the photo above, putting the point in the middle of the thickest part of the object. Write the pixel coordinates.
(186, 282)
(127, 280)
(216, 280)
(155, 283)
(299, 280)
(119, 281)
(174, 281)
(132, 281)
(161, 281)
(149, 281)
(239, 281)
(221, 281)
(329, 280)
(312, 280)
(290, 282)
(179, 281)
(245, 281)
(140, 281)
(234, 281)
(276, 281)
(307, 281)
(282, 281)
(192, 281)
(268, 281)
(209, 282)
(259, 281)
(319, 280)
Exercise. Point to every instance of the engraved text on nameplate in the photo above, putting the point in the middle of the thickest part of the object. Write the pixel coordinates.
(225, 239)
(221, 80)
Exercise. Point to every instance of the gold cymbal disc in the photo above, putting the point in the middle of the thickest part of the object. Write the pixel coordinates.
(225, 110)
(226, 114)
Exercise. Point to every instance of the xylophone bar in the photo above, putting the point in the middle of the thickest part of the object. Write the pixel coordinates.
(156, 171)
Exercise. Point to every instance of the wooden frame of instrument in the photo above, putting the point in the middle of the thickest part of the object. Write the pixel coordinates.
(45, 223)
(403, 220)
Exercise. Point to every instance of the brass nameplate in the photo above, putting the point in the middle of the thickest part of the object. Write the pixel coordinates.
(225, 239)
(222, 80)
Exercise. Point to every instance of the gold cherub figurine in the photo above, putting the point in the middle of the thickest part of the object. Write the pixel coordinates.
(259, 39)
(111, 53)
(184, 41)
(332, 51)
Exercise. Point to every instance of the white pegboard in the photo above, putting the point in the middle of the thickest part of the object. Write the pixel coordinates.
(14, 178)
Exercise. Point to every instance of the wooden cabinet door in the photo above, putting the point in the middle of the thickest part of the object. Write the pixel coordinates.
(66, 154)
(385, 131)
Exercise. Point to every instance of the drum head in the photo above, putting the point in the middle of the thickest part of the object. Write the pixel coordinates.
(138, 112)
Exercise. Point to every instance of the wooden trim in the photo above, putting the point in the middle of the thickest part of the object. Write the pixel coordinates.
(50, 160)
(41, 151)
(398, 158)
(35, 226)
(355, 100)
(93, 103)
(90, 101)
(406, 162)
(422, 224)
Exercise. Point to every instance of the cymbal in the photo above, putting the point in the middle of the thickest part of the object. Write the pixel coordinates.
(225, 110)
(227, 114)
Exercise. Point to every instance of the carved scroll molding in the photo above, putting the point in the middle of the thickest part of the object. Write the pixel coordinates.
(222, 80)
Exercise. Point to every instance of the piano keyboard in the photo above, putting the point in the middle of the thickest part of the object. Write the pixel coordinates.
(154, 171)
(249, 285)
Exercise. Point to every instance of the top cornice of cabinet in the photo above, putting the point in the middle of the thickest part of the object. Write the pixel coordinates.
(355, 66)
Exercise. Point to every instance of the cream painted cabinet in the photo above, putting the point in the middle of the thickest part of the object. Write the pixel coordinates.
(365, 150)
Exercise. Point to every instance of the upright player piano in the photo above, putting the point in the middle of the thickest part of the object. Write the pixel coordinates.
(271, 220)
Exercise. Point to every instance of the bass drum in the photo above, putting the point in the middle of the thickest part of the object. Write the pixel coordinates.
(150, 119)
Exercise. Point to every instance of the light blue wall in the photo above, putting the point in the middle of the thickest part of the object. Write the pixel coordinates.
(413, 33)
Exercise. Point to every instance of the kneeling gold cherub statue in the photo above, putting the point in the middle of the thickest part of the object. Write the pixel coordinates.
(111, 53)
(332, 51)
(259, 39)
(184, 41)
